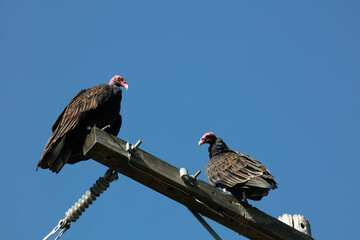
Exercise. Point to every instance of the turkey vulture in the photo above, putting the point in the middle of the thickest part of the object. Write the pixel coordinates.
(96, 106)
(236, 172)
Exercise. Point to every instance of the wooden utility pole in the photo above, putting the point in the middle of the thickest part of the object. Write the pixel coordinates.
(201, 198)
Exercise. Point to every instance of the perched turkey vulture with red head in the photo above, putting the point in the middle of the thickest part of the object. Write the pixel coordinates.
(96, 106)
(236, 172)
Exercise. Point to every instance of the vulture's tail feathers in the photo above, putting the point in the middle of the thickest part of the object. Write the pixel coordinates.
(55, 156)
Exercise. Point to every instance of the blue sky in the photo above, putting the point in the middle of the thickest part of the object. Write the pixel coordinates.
(278, 80)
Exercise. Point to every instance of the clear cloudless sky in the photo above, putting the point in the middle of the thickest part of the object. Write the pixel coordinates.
(278, 80)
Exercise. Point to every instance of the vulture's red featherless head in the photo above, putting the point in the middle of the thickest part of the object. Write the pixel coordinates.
(119, 81)
(207, 138)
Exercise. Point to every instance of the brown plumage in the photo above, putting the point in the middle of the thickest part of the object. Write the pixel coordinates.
(96, 106)
(238, 173)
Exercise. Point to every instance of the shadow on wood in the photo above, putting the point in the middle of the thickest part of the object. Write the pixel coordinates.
(203, 198)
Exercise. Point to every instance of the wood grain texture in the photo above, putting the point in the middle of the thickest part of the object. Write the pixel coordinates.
(203, 198)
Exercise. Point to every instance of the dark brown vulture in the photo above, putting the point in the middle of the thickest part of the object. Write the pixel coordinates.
(236, 172)
(96, 106)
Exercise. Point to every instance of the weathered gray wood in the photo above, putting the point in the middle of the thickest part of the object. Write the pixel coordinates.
(298, 222)
(203, 198)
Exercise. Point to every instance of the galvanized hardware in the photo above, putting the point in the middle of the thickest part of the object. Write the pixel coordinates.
(131, 149)
(87, 199)
(187, 178)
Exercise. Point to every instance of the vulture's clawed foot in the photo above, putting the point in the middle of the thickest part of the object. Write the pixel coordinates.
(106, 128)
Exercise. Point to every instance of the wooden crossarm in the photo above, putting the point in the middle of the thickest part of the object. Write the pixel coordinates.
(202, 198)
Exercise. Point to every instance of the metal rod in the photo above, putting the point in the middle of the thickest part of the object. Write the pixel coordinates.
(206, 225)
(197, 174)
(137, 144)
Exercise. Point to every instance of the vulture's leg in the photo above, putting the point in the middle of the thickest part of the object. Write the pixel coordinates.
(244, 196)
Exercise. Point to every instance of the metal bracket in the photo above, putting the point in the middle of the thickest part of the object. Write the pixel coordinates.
(131, 149)
(205, 225)
(193, 181)
(189, 179)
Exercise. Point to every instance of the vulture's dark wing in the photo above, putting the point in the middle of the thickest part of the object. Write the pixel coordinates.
(74, 113)
(228, 169)
(58, 120)
(96, 105)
